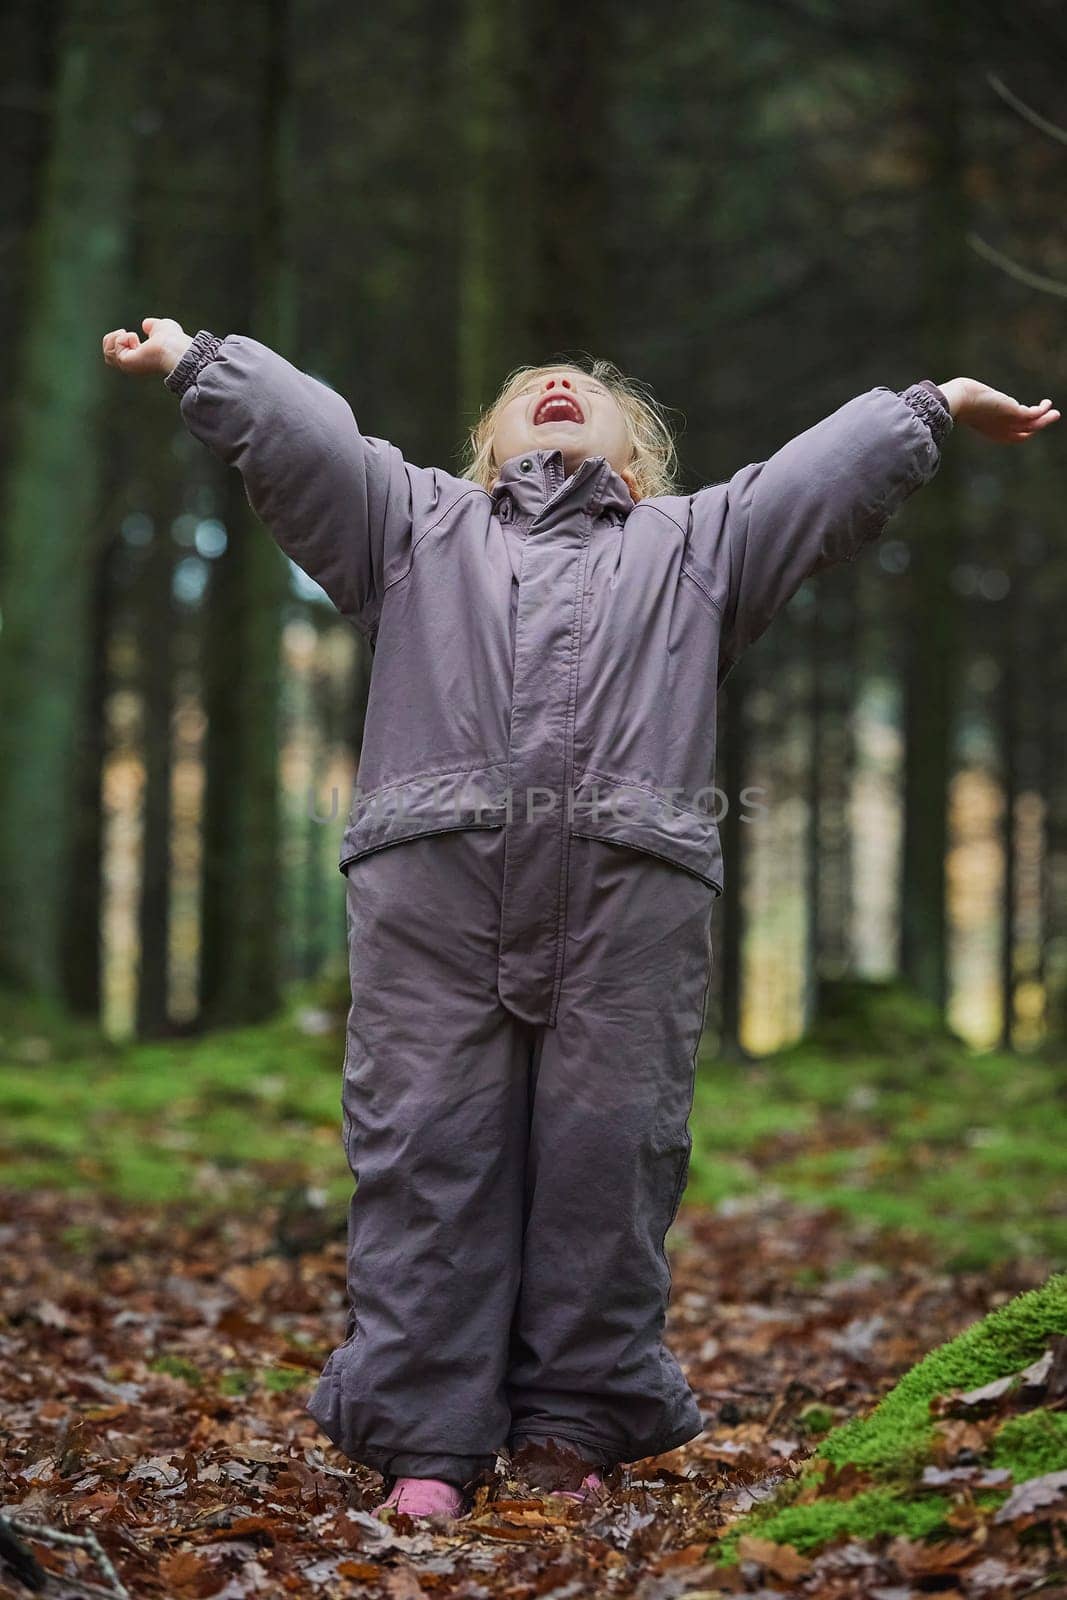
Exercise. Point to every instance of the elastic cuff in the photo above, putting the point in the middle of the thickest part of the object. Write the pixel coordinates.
(930, 404)
(204, 348)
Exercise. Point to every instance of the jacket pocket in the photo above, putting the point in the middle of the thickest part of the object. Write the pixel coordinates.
(439, 802)
(608, 808)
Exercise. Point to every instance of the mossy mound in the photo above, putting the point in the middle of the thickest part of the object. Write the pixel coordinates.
(866, 1478)
(884, 1018)
(897, 1435)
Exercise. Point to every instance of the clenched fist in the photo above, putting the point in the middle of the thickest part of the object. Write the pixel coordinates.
(162, 349)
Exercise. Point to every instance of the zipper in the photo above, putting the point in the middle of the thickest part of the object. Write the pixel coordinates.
(556, 479)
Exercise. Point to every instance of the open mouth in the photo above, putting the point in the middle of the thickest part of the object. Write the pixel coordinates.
(557, 408)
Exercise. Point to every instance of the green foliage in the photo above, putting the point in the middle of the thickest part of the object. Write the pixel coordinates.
(1032, 1444)
(207, 1120)
(910, 1130)
(815, 1418)
(283, 1380)
(895, 1020)
(177, 1367)
(236, 1382)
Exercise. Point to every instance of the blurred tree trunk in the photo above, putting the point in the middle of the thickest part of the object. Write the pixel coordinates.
(82, 954)
(168, 118)
(1053, 737)
(155, 671)
(933, 625)
(834, 652)
(240, 972)
(565, 88)
(487, 299)
(1008, 731)
(242, 864)
(52, 543)
(28, 43)
(731, 766)
(1038, 635)
(813, 844)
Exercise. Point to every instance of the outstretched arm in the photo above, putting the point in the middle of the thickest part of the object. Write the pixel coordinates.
(337, 501)
(826, 493)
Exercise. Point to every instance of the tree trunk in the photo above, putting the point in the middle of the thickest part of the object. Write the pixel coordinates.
(730, 780)
(155, 607)
(565, 87)
(932, 665)
(54, 536)
(240, 968)
(28, 41)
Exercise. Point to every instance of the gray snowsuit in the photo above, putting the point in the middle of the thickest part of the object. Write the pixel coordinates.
(532, 857)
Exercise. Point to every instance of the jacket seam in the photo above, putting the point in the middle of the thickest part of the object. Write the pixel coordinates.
(416, 833)
(643, 849)
(688, 572)
(666, 514)
(475, 489)
(434, 772)
(646, 788)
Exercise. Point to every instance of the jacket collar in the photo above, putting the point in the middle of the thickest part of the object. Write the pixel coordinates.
(530, 481)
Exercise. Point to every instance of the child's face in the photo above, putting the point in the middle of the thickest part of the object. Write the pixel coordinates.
(564, 409)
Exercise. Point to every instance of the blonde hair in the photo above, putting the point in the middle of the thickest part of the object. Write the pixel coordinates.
(653, 462)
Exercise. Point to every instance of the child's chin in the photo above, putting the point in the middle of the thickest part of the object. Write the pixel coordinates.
(556, 435)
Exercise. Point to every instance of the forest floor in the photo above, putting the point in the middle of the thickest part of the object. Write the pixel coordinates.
(172, 1239)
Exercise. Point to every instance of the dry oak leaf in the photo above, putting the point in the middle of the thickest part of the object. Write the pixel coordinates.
(1035, 1497)
(781, 1560)
(918, 1560)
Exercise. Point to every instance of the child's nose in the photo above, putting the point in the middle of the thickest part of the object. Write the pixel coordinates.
(564, 383)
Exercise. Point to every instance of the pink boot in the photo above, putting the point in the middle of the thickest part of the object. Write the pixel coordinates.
(424, 1497)
(592, 1484)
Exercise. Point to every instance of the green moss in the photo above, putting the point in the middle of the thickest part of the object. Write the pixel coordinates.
(281, 1380)
(865, 1516)
(895, 1438)
(895, 1020)
(236, 1382)
(178, 1367)
(211, 1117)
(1032, 1444)
(966, 1156)
(815, 1418)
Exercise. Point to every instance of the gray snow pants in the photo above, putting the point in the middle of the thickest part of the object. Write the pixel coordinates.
(506, 1268)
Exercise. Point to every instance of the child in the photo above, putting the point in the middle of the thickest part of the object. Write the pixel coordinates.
(532, 859)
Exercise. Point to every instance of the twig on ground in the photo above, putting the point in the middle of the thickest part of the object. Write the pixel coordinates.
(21, 1561)
(59, 1536)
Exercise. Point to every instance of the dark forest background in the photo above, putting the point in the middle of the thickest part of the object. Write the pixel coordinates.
(759, 209)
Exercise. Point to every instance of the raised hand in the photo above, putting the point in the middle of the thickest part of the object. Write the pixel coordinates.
(995, 415)
(162, 349)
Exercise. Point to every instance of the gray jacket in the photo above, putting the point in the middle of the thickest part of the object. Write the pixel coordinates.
(546, 656)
